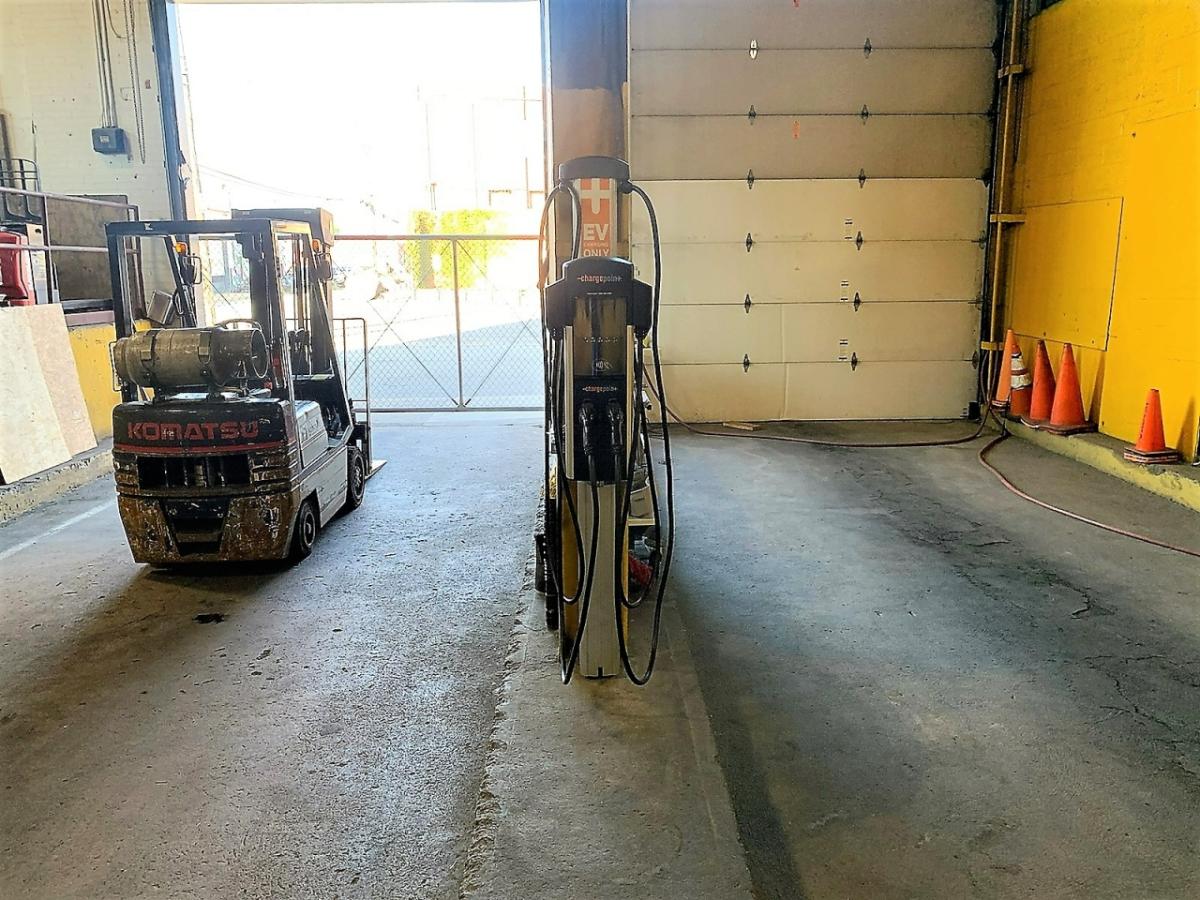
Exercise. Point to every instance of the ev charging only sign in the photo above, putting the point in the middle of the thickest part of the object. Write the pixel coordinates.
(597, 196)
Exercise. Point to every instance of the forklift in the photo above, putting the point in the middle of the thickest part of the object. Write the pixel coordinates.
(234, 441)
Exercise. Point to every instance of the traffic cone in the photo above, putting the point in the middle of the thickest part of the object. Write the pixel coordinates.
(1004, 382)
(1151, 446)
(1020, 386)
(1066, 414)
(1043, 389)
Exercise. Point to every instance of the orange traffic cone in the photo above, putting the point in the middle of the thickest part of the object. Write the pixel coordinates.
(1043, 388)
(1066, 415)
(1151, 446)
(1004, 382)
(1019, 387)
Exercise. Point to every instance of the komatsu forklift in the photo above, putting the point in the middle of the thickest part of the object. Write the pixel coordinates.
(236, 440)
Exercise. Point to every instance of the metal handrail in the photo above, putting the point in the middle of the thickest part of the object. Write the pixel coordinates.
(69, 198)
(408, 237)
(54, 248)
(130, 211)
(435, 237)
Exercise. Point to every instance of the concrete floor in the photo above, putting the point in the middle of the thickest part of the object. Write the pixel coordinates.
(917, 686)
(326, 739)
(922, 686)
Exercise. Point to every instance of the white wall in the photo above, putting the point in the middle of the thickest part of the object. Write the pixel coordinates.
(49, 87)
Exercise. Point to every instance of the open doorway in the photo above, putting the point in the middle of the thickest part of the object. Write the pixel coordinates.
(420, 127)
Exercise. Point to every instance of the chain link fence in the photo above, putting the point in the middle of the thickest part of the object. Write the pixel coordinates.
(452, 321)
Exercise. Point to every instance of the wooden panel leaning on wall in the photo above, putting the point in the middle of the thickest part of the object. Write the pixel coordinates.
(43, 418)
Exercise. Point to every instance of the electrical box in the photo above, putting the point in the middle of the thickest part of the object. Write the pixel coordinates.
(109, 140)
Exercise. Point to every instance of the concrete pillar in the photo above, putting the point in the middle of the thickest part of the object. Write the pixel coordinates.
(586, 50)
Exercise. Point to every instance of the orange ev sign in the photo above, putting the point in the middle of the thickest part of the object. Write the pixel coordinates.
(598, 221)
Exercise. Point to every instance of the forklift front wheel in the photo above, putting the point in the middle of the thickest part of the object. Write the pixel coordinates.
(305, 534)
(356, 479)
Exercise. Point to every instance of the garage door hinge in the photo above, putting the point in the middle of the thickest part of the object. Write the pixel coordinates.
(754, 49)
(748, 303)
(749, 242)
(853, 361)
(857, 301)
(746, 363)
(753, 114)
(750, 179)
(975, 360)
(862, 178)
(867, 48)
(858, 241)
(865, 114)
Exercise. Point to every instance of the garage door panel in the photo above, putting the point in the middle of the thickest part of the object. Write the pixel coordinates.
(814, 82)
(939, 209)
(821, 200)
(704, 24)
(721, 334)
(879, 390)
(717, 393)
(665, 148)
(878, 332)
(816, 272)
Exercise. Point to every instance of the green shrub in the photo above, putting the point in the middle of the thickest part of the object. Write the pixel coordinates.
(431, 263)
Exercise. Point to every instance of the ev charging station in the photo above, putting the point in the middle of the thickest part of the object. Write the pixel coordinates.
(597, 318)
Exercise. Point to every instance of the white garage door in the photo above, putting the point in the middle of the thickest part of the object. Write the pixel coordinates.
(817, 167)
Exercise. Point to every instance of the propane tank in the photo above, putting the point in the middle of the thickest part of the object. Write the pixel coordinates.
(173, 358)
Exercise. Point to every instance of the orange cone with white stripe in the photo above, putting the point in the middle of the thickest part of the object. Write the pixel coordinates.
(1004, 382)
(1151, 446)
(1043, 389)
(1067, 415)
(1020, 386)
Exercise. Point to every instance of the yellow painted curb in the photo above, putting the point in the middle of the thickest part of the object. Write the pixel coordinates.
(1180, 483)
(20, 497)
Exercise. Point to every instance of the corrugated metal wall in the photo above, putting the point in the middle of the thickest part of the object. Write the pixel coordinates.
(818, 169)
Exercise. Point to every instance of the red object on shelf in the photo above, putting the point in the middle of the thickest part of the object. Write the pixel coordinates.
(639, 573)
(16, 280)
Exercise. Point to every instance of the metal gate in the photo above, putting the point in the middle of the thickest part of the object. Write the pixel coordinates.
(452, 320)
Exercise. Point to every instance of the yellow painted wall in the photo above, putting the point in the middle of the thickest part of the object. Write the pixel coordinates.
(90, 343)
(1108, 174)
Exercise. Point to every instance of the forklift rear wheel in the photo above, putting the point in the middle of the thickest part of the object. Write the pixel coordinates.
(305, 534)
(356, 479)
